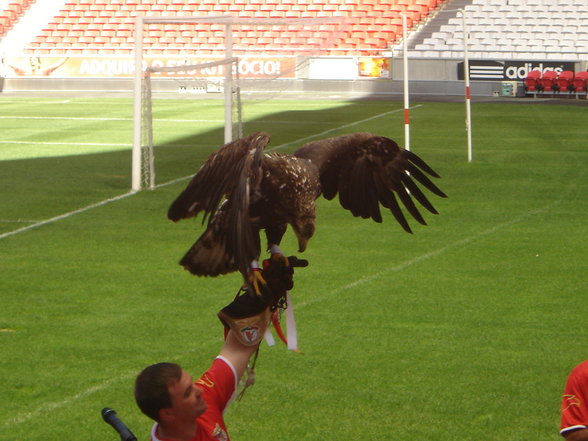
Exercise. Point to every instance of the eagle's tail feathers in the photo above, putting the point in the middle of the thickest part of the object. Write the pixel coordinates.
(209, 256)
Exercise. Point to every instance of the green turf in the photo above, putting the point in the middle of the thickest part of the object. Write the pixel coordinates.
(464, 330)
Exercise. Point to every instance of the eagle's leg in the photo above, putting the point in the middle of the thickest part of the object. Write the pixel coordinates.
(277, 254)
(274, 234)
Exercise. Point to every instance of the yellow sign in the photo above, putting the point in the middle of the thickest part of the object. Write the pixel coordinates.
(374, 67)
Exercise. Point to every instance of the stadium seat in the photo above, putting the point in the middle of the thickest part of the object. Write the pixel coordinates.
(581, 82)
(532, 81)
(373, 37)
(549, 81)
(565, 81)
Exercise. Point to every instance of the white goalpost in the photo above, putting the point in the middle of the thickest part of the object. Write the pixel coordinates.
(143, 170)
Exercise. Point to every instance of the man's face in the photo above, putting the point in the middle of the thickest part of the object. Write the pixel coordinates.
(186, 398)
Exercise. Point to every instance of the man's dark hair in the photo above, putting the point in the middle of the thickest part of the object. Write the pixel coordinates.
(151, 388)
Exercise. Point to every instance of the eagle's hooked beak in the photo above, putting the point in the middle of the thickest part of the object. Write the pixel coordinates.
(302, 242)
(303, 229)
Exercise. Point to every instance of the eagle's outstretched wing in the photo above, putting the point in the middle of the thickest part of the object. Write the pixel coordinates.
(368, 170)
(221, 189)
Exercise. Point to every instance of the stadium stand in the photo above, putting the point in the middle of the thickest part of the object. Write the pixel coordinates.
(11, 12)
(515, 36)
(511, 29)
(106, 26)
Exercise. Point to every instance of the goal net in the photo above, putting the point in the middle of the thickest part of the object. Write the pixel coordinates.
(193, 80)
(234, 63)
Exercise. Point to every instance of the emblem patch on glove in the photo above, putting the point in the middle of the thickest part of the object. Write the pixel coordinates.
(251, 334)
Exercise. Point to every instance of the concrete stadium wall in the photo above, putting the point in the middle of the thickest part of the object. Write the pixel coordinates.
(335, 88)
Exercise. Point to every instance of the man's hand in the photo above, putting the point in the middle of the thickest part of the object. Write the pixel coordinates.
(278, 272)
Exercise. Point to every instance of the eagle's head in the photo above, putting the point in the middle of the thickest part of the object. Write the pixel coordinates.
(303, 229)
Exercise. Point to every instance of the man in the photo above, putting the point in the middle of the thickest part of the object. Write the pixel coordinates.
(185, 410)
(574, 407)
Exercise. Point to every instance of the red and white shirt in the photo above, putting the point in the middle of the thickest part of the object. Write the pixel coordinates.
(574, 406)
(219, 385)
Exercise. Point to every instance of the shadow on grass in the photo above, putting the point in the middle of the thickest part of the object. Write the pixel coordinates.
(40, 188)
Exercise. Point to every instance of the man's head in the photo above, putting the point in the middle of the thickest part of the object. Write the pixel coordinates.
(165, 392)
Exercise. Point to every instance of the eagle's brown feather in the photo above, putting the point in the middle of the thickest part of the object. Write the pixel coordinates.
(242, 191)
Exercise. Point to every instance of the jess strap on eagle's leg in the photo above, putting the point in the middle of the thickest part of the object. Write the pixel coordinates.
(284, 302)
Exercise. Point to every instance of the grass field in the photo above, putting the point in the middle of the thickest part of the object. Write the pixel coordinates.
(465, 330)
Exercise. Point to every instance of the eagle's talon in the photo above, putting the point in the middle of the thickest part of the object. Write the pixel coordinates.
(255, 279)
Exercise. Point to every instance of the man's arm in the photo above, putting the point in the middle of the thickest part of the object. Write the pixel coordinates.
(237, 353)
(576, 435)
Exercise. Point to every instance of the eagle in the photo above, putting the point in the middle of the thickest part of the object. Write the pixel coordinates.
(241, 190)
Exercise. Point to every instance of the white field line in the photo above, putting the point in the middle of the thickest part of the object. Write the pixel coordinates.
(66, 215)
(79, 118)
(83, 144)
(9, 101)
(65, 118)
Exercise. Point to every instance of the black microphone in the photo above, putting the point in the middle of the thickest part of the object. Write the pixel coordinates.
(110, 417)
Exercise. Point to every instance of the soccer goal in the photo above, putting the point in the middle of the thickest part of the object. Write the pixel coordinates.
(231, 67)
(192, 79)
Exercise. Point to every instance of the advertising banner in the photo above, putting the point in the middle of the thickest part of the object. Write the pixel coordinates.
(124, 67)
(509, 70)
(374, 67)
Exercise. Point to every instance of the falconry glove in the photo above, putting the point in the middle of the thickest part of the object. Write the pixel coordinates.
(249, 314)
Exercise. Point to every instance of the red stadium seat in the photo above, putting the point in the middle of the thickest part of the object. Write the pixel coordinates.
(565, 81)
(581, 82)
(375, 24)
(532, 81)
(549, 81)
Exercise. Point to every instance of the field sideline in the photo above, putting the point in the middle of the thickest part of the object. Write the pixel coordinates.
(464, 330)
